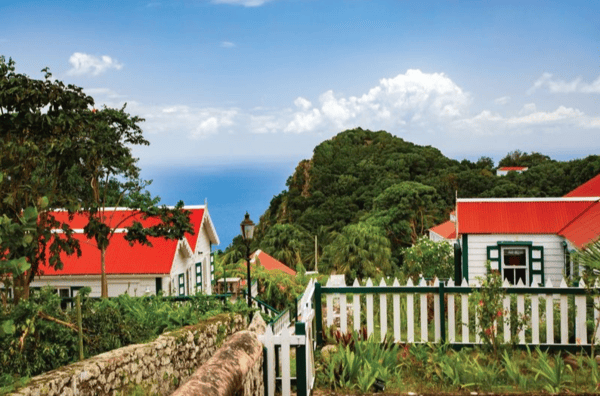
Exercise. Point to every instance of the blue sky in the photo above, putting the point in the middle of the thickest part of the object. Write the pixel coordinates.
(236, 92)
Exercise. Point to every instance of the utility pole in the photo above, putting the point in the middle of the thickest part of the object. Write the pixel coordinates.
(316, 256)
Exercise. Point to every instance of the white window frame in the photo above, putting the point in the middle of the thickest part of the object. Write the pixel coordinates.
(513, 268)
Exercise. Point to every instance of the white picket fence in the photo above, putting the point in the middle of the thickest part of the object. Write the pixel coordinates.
(412, 321)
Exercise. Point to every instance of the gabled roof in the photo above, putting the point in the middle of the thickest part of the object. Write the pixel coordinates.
(513, 168)
(446, 230)
(591, 188)
(121, 258)
(271, 263)
(519, 215)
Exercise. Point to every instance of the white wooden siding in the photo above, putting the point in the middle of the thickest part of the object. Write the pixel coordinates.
(554, 255)
(134, 285)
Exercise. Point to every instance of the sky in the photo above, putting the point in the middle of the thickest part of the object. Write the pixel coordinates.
(235, 92)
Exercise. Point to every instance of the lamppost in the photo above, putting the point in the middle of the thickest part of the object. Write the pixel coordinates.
(247, 234)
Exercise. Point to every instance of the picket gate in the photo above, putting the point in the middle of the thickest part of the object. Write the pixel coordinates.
(283, 337)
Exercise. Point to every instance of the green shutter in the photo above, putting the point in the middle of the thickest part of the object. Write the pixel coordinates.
(536, 265)
(212, 268)
(465, 257)
(457, 263)
(493, 256)
(181, 285)
(199, 275)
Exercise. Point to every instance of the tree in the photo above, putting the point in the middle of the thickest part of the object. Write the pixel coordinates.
(114, 176)
(289, 244)
(59, 152)
(42, 124)
(405, 211)
(429, 259)
(359, 251)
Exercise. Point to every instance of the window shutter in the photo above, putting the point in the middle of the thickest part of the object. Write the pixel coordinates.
(198, 276)
(536, 265)
(493, 256)
(181, 285)
(457, 263)
(212, 268)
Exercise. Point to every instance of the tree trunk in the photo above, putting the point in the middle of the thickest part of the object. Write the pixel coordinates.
(103, 281)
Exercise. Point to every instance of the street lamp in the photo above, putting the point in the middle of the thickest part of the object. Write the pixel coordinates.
(247, 233)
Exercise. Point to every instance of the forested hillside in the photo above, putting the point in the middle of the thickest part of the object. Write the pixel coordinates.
(369, 195)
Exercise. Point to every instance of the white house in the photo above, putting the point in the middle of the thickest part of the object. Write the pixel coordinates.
(526, 239)
(503, 171)
(177, 267)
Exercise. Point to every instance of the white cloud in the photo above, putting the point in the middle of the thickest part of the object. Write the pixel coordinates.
(227, 44)
(245, 3)
(502, 100)
(528, 108)
(537, 122)
(302, 103)
(103, 93)
(82, 64)
(560, 86)
(411, 97)
(424, 108)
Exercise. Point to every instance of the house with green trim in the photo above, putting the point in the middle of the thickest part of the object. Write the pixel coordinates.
(526, 239)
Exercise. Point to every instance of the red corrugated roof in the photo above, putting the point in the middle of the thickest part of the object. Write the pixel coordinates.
(591, 188)
(517, 217)
(446, 230)
(271, 263)
(513, 168)
(585, 228)
(125, 218)
(121, 258)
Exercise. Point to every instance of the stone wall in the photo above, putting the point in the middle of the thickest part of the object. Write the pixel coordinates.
(236, 369)
(156, 368)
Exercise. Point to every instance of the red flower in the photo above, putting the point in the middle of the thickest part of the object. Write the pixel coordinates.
(94, 110)
(499, 313)
(481, 303)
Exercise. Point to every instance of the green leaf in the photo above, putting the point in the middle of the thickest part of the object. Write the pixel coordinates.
(30, 213)
(27, 239)
(43, 202)
(7, 327)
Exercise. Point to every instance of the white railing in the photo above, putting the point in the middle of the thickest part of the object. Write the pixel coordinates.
(305, 303)
(281, 322)
(412, 320)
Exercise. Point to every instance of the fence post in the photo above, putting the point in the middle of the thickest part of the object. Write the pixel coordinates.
(318, 313)
(79, 327)
(265, 371)
(442, 314)
(301, 385)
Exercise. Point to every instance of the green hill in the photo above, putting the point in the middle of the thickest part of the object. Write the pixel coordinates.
(368, 195)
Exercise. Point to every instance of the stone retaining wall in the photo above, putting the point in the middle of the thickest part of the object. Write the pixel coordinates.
(156, 368)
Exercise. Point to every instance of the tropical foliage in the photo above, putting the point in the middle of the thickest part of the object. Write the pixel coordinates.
(43, 335)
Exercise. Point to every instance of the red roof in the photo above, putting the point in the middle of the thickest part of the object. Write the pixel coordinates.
(513, 168)
(446, 230)
(516, 216)
(591, 188)
(122, 218)
(585, 228)
(121, 258)
(270, 263)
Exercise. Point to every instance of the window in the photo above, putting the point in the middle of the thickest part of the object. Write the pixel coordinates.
(181, 285)
(518, 261)
(514, 265)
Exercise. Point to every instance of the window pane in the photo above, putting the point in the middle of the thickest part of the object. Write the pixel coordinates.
(520, 273)
(509, 275)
